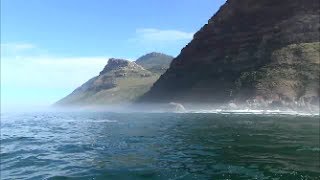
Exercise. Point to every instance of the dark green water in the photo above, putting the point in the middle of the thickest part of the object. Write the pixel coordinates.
(158, 146)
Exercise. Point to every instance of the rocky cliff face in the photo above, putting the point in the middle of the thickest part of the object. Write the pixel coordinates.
(267, 49)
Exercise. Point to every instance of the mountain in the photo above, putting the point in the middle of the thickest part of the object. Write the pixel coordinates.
(266, 50)
(155, 62)
(120, 82)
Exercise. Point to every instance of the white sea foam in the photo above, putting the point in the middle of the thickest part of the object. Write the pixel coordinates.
(257, 112)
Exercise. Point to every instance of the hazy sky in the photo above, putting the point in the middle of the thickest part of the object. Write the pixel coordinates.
(50, 47)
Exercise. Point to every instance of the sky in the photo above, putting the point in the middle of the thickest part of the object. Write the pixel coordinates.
(50, 47)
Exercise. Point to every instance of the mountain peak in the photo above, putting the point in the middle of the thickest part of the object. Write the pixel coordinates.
(115, 61)
(153, 54)
(117, 64)
(155, 62)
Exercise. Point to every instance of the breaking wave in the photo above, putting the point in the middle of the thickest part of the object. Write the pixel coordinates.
(256, 112)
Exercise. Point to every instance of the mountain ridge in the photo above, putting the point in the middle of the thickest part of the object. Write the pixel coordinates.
(121, 81)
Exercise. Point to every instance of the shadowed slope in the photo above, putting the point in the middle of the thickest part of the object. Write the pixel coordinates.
(267, 49)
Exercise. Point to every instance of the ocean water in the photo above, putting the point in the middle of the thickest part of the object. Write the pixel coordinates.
(97, 145)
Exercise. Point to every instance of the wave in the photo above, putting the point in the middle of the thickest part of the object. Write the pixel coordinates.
(91, 120)
(256, 112)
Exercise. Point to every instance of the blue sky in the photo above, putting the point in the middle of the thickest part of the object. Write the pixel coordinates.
(49, 47)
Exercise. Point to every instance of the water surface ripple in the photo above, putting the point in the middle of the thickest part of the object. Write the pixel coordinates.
(95, 145)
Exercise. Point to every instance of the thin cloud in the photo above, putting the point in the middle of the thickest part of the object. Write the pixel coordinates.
(158, 35)
(49, 71)
(15, 47)
(152, 39)
(28, 75)
(33, 69)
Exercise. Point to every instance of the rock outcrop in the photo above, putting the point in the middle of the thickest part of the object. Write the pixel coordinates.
(265, 49)
(116, 64)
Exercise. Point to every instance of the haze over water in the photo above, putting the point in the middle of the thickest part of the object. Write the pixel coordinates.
(95, 145)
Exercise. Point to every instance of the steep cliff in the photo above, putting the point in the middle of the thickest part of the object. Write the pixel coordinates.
(265, 49)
